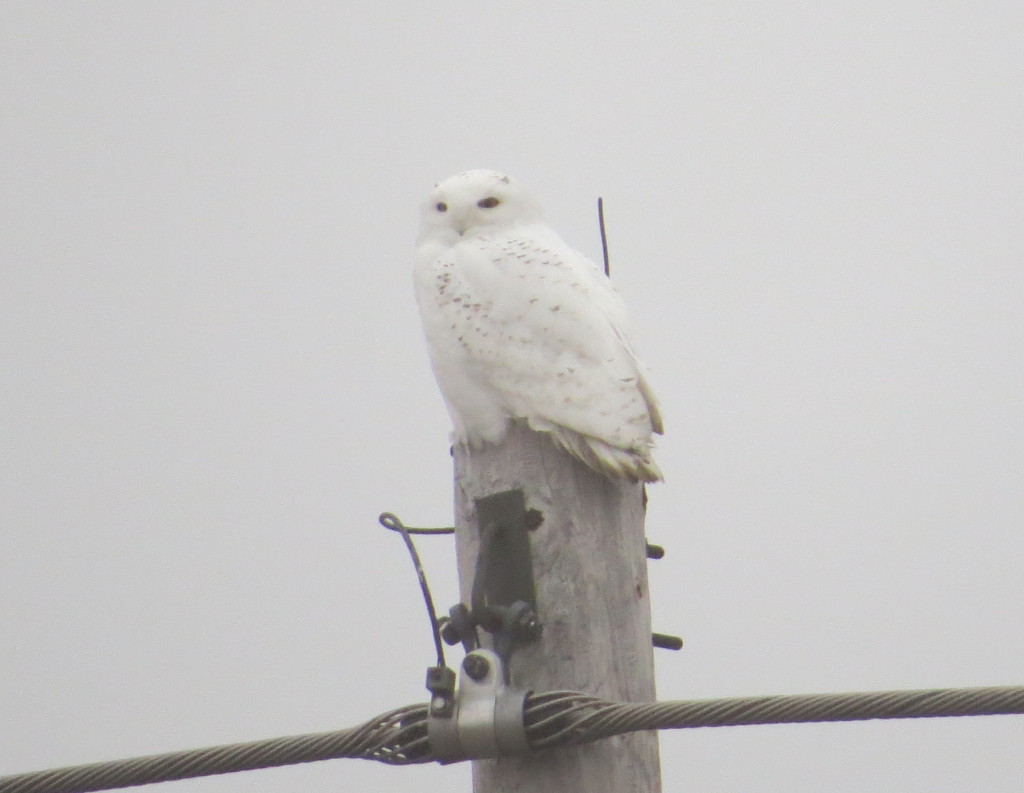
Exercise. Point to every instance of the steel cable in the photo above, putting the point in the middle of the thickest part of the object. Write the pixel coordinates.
(551, 719)
(398, 738)
(561, 718)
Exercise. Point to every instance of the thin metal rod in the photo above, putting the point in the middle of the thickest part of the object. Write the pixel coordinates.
(664, 641)
(604, 237)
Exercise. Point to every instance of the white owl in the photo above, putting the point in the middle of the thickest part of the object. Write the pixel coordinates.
(521, 326)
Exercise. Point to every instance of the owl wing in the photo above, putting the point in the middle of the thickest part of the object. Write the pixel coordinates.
(543, 333)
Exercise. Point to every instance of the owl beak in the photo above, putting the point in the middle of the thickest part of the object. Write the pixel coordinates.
(460, 224)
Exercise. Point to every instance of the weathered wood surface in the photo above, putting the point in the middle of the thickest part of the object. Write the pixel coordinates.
(590, 568)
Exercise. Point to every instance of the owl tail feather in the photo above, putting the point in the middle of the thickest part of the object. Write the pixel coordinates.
(635, 465)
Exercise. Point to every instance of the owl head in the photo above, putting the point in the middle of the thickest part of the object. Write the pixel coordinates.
(475, 202)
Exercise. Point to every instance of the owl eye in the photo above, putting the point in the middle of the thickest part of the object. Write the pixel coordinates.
(488, 203)
(441, 206)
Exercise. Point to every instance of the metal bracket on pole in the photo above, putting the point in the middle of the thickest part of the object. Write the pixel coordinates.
(504, 566)
(487, 720)
(503, 600)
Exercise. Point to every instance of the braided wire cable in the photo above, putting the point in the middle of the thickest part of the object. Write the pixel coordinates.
(551, 719)
(562, 718)
(398, 737)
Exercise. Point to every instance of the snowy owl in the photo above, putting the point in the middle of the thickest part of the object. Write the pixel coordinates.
(521, 326)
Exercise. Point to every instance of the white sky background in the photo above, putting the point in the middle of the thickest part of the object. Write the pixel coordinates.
(213, 378)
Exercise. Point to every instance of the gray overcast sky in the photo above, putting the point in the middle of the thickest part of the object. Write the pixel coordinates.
(213, 377)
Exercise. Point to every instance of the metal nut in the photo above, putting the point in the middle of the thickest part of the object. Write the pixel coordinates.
(476, 667)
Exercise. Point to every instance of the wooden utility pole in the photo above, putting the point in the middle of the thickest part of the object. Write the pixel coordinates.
(590, 571)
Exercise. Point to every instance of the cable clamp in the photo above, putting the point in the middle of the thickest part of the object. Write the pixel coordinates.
(487, 720)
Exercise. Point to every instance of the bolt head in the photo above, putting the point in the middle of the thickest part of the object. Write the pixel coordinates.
(529, 626)
(449, 632)
(533, 519)
(441, 707)
(476, 667)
